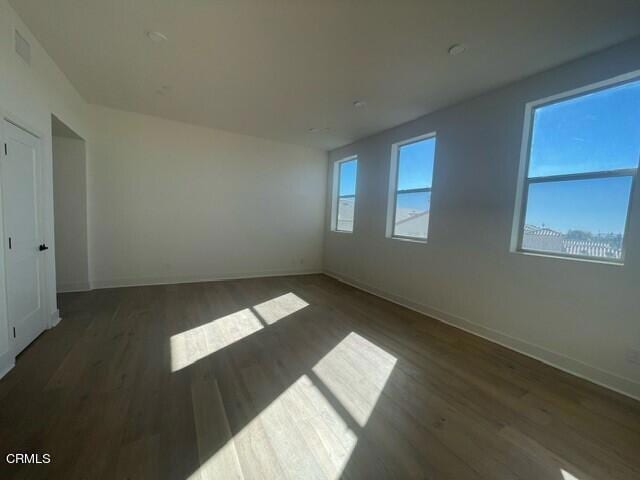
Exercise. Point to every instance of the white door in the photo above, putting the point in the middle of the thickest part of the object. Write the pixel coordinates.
(20, 170)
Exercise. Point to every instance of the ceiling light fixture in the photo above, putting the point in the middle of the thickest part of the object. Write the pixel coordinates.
(156, 37)
(359, 104)
(457, 49)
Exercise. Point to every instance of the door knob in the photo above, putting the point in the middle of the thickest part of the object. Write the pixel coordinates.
(43, 247)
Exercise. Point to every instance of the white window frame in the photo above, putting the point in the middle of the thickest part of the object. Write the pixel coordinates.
(524, 181)
(335, 194)
(392, 195)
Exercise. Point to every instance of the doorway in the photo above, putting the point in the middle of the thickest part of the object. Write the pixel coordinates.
(70, 208)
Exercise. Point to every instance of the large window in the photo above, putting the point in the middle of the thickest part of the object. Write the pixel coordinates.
(410, 188)
(582, 158)
(345, 177)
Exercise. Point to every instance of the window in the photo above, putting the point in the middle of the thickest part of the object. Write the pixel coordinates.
(582, 160)
(410, 188)
(345, 176)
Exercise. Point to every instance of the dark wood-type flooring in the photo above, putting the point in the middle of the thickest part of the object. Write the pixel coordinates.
(298, 378)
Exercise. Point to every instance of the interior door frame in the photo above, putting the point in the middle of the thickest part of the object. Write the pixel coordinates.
(42, 224)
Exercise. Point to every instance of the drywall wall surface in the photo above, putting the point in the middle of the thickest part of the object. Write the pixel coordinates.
(29, 94)
(70, 202)
(171, 202)
(580, 316)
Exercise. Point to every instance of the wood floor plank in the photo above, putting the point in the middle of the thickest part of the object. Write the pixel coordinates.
(216, 447)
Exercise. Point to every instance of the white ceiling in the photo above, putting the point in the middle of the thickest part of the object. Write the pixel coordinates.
(276, 68)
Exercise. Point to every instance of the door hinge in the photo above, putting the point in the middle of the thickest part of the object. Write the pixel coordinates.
(5, 149)
(14, 332)
(9, 243)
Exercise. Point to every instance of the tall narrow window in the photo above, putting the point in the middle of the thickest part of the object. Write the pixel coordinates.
(583, 151)
(411, 179)
(345, 177)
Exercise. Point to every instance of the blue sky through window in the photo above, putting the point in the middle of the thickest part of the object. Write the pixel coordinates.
(595, 205)
(414, 176)
(348, 174)
(599, 131)
(415, 170)
(414, 201)
(415, 164)
(594, 132)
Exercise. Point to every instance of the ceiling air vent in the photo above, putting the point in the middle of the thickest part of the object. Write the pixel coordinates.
(23, 48)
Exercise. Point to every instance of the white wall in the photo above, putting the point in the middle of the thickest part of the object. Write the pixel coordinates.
(29, 94)
(171, 202)
(70, 202)
(579, 316)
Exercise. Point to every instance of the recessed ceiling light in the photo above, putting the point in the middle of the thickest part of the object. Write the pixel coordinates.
(457, 49)
(157, 37)
(359, 103)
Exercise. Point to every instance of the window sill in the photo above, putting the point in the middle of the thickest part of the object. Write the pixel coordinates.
(342, 231)
(409, 240)
(530, 253)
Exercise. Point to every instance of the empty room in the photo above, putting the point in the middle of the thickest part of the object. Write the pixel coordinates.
(320, 239)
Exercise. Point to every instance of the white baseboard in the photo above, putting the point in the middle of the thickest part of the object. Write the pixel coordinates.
(575, 367)
(147, 281)
(7, 362)
(73, 287)
(54, 319)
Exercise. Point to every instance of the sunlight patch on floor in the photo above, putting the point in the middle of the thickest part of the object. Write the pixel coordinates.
(307, 436)
(356, 371)
(190, 346)
(305, 432)
(277, 308)
(223, 464)
(567, 476)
